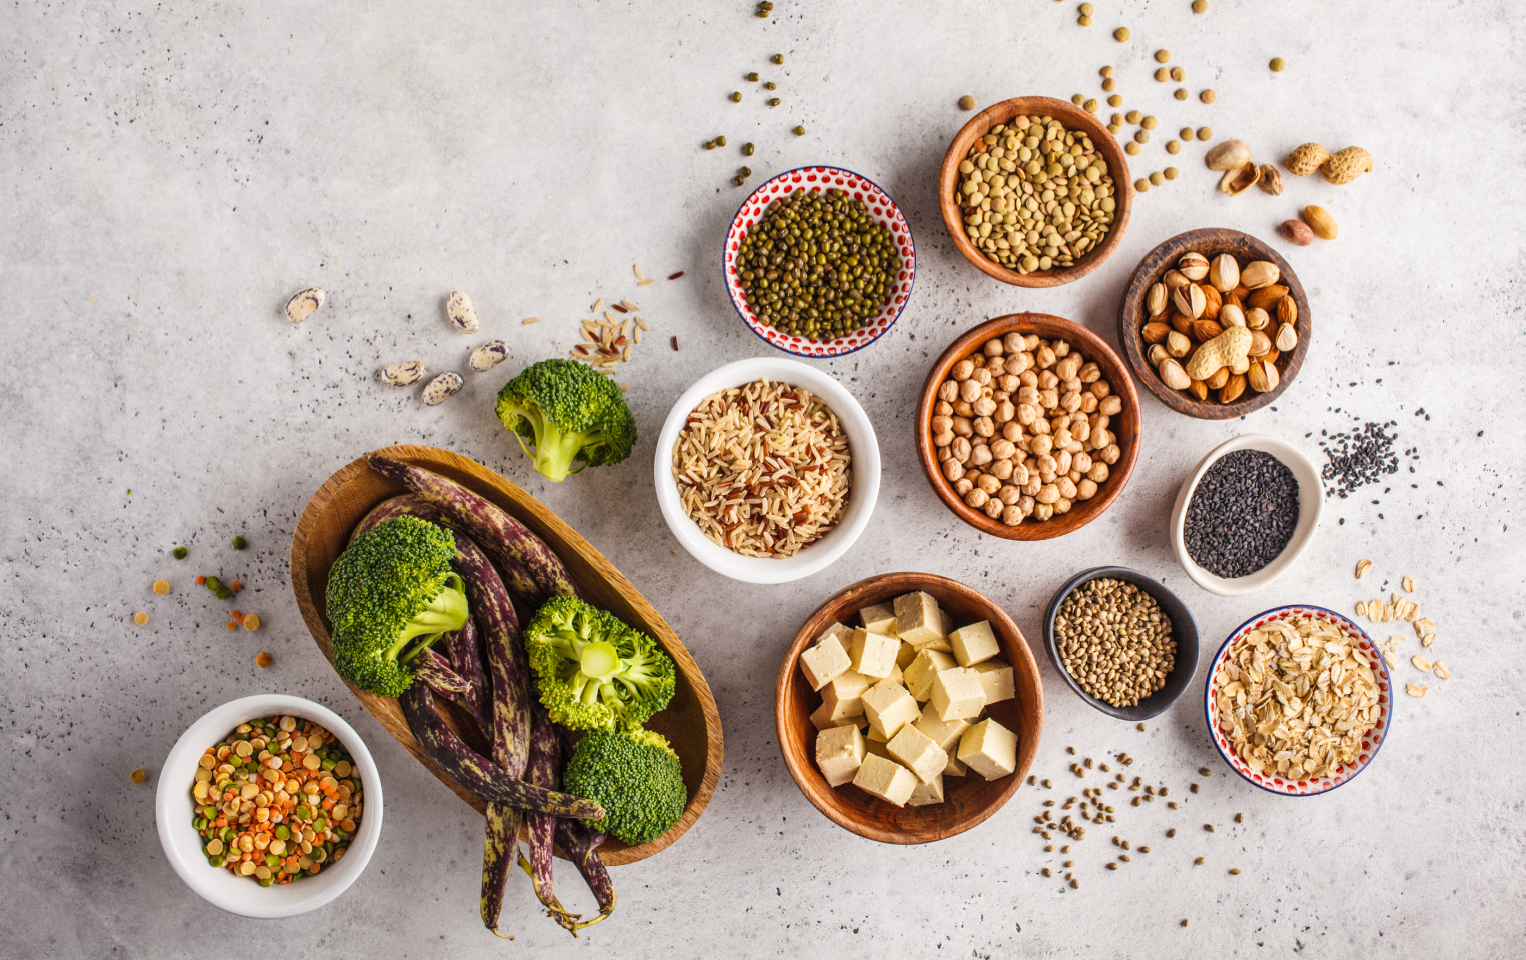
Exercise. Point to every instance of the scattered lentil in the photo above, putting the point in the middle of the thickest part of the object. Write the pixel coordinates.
(161, 587)
(1278, 64)
(240, 543)
(137, 776)
(179, 553)
(966, 102)
(1121, 34)
(140, 618)
(263, 660)
(1205, 133)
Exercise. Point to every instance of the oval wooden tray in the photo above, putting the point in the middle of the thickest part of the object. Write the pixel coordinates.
(969, 800)
(1210, 242)
(690, 721)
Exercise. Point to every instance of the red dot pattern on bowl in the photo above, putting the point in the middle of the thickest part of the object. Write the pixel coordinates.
(884, 211)
(1370, 743)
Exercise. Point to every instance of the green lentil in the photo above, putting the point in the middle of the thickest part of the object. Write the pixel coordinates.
(1188, 134)
(966, 102)
(817, 265)
(1205, 133)
(745, 171)
(1106, 72)
(1086, 9)
(1121, 34)
(1181, 93)
(1174, 147)
(1156, 179)
(1131, 148)
(1149, 123)
(179, 553)
(1084, 20)
(1078, 99)
(709, 144)
(1133, 116)
(1115, 101)
(240, 543)
(1089, 106)
(1109, 85)
(1198, 6)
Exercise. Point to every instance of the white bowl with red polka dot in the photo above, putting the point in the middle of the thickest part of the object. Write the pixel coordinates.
(885, 212)
(1364, 648)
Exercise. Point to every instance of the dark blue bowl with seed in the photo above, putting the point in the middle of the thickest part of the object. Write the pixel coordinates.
(1183, 631)
(1310, 506)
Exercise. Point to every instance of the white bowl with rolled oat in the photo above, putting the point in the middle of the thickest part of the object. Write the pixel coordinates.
(767, 470)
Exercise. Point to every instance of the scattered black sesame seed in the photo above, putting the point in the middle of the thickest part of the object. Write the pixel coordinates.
(1358, 457)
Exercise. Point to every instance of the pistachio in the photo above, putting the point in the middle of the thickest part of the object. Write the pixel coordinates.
(1262, 377)
(1157, 354)
(1257, 319)
(1224, 273)
(1155, 332)
(1346, 166)
(1156, 301)
(1287, 310)
(1193, 265)
(1305, 159)
(1296, 232)
(1174, 279)
(1172, 374)
(1260, 345)
(1271, 179)
(1190, 300)
(1229, 155)
(1236, 182)
(1320, 222)
(1231, 315)
(1260, 273)
(303, 304)
(1287, 337)
(1179, 344)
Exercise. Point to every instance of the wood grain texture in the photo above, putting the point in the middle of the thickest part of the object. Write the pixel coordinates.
(1132, 316)
(1125, 424)
(1073, 118)
(690, 721)
(968, 800)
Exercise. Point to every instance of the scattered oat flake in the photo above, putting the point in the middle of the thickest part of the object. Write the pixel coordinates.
(1362, 566)
(1393, 661)
(1361, 608)
(529, 320)
(1427, 640)
(1424, 625)
(1441, 671)
(1409, 584)
(1421, 664)
(1415, 689)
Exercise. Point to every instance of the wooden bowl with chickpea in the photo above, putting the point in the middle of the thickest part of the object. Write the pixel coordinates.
(1028, 426)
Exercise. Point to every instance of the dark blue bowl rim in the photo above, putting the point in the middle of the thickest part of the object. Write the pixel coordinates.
(1213, 665)
(910, 239)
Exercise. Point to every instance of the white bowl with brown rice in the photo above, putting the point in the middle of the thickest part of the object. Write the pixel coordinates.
(767, 470)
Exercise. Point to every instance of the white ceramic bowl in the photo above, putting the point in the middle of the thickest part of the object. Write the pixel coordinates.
(862, 444)
(1311, 504)
(182, 844)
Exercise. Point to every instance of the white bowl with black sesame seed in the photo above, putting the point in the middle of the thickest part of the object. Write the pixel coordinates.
(1311, 504)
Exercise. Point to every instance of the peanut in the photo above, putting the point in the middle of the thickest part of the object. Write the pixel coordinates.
(1228, 349)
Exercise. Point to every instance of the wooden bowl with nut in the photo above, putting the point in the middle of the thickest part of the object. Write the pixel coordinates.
(1214, 323)
(1039, 447)
(1093, 212)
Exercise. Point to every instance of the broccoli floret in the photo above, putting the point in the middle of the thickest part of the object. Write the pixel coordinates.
(391, 594)
(635, 776)
(592, 670)
(570, 413)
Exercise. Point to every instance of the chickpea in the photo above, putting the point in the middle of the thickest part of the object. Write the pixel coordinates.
(1066, 488)
(1019, 474)
(1047, 494)
(969, 390)
(1090, 373)
(1049, 398)
(1003, 449)
(1111, 453)
(948, 390)
(953, 469)
(976, 498)
(1048, 381)
(1008, 382)
(983, 407)
(942, 440)
(943, 424)
(1067, 384)
(996, 365)
(963, 486)
(1000, 469)
(1005, 411)
(1088, 402)
(1060, 433)
(984, 426)
(1028, 378)
(943, 409)
(1047, 464)
(1027, 413)
(1099, 421)
(1062, 462)
(945, 454)
(962, 408)
(1081, 429)
(1060, 348)
(1062, 505)
(1012, 516)
(960, 449)
(1040, 445)
(993, 348)
(1043, 357)
(1009, 494)
(1017, 363)
(1100, 439)
(1101, 388)
(1042, 511)
(1086, 489)
(1039, 426)
(980, 455)
(1028, 395)
(1081, 462)
(988, 483)
(981, 376)
(1013, 342)
(999, 395)
(1110, 405)
(1098, 473)
(1012, 430)
(962, 370)
(993, 508)
(963, 427)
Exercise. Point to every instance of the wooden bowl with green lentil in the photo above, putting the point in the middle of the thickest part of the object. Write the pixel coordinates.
(1094, 212)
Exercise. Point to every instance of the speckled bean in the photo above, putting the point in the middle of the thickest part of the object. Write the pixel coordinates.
(404, 374)
(442, 388)
(303, 304)
(459, 309)
(489, 355)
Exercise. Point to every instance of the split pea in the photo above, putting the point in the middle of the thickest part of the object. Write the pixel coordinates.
(1121, 34)
(1171, 174)
(1278, 64)
(1163, 56)
(1109, 85)
(1181, 93)
(1174, 147)
(1205, 133)
(1115, 101)
(1149, 122)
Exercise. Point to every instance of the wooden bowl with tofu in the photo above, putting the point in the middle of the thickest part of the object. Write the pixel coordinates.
(946, 675)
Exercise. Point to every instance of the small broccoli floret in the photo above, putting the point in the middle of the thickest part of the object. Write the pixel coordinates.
(594, 671)
(391, 594)
(570, 413)
(635, 776)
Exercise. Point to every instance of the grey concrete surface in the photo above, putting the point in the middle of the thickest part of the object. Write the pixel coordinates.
(170, 172)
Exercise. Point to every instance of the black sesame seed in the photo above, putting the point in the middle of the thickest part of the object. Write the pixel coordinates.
(1242, 514)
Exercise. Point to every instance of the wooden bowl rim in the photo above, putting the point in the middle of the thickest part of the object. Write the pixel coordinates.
(1131, 318)
(1072, 117)
(1186, 662)
(1047, 326)
(502, 493)
(812, 784)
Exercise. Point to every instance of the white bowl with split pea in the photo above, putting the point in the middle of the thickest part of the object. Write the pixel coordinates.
(174, 811)
(863, 448)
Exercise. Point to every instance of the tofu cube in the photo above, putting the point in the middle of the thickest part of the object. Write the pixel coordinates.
(824, 662)
(954, 768)
(879, 618)
(890, 707)
(957, 694)
(875, 734)
(924, 669)
(873, 654)
(885, 779)
(844, 693)
(897, 675)
(946, 620)
(945, 733)
(989, 749)
(839, 752)
(915, 751)
(877, 748)
(917, 619)
(974, 643)
(822, 719)
(996, 677)
(927, 793)
(844, 634)
(905, 655)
